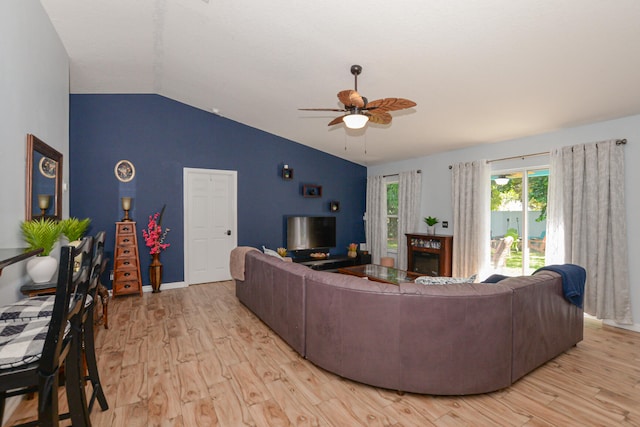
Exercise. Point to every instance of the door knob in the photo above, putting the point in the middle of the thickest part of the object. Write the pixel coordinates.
(228, 232)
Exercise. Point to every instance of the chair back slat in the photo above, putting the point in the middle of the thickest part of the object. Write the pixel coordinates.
(96, 263)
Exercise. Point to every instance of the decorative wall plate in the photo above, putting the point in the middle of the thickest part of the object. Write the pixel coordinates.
(48, 167)
(124, 170)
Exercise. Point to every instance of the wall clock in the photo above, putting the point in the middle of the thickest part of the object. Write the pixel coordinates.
(124, 171)
(47, 167)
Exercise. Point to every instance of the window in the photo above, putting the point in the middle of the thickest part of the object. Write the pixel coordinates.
(518, 220)
(392, 216)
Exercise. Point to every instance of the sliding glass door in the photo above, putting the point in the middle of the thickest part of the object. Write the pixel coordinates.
(518, 220)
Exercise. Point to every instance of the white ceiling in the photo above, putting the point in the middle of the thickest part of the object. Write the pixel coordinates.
(480, 71)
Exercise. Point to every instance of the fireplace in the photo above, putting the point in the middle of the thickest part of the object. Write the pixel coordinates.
(426, 263)
(429, 254)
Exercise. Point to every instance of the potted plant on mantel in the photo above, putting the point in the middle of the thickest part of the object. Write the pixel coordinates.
(41, 233)
(431, 222)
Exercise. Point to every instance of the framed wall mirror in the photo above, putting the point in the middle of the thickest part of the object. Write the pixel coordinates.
(44, 180)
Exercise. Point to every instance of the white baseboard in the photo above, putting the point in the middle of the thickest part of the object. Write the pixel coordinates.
(165, 286)
(633, 327)
(148, 288)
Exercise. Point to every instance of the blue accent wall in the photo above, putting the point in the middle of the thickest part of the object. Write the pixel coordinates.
(161, 137)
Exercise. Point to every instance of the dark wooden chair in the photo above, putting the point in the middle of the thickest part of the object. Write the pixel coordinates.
(32, 352)
(41, 307)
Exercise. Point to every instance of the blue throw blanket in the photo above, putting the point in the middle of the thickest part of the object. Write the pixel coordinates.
(573, 279)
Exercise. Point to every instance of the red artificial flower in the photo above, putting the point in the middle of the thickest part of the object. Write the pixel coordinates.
(154, 235)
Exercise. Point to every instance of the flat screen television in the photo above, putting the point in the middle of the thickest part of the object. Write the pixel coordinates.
(311, 232)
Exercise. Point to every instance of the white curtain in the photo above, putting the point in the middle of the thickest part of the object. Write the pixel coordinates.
(471, 219)
(586, 223)
(376, 223)
(409, 191)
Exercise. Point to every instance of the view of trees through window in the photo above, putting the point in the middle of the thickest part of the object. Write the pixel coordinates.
(392, 216)
(524, 228)
(518, 235)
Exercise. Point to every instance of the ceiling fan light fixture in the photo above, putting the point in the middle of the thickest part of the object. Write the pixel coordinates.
(355, 121)
(501, 180)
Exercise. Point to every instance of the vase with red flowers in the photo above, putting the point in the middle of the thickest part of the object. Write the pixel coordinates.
(154, 237)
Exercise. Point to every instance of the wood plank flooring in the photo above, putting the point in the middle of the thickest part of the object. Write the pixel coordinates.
(197, 357)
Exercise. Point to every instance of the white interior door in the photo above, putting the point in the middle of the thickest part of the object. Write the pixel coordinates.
(210, 204)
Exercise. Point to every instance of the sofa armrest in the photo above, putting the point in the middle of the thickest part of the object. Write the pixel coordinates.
(544, 323)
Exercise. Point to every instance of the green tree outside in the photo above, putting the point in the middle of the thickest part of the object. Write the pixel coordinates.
(392, 221)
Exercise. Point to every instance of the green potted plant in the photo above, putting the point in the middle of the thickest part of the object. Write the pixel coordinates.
(74, 228)
(431, 222)
(41, 233)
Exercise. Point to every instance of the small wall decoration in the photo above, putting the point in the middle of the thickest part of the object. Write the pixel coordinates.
(287, 172)
(48, 167)
(309, 190)
(124, 170)
(334, 206)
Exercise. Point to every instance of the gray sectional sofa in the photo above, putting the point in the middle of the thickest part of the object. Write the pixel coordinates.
(444, 340)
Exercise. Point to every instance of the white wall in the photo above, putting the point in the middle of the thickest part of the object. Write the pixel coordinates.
(34, 83)
(436, 177)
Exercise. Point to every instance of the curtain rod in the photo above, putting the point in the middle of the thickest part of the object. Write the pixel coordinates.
(523, 156)
(397, 174)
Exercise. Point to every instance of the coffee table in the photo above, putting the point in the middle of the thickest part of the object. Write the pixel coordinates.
(378, 273)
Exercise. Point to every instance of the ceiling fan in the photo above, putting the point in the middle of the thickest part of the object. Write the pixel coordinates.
(359, 110)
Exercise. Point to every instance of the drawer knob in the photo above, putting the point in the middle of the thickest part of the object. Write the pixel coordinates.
(127, 274)
(127, 286)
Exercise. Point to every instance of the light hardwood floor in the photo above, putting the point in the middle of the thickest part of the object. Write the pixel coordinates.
(197, 357)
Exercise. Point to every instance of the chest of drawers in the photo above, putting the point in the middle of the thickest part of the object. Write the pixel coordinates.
(126, 262)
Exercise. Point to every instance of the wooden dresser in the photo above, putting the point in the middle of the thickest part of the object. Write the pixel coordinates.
(126, 262)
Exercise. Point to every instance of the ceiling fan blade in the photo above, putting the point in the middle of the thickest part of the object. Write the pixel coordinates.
(336, 121)
(351, 98)
(322, 109)
(380, 118)
(390, 104)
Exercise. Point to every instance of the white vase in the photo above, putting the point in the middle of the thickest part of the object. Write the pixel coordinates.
(41, 269)
(431, 230)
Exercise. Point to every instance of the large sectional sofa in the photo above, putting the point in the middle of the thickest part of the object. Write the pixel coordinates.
(445, 340)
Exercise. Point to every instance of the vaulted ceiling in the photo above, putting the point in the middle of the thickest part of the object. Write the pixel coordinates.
(479, 71)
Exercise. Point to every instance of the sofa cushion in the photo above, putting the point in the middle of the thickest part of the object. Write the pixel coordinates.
(28, 309)
(444, 280)
(495, 278)
(271, 252)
